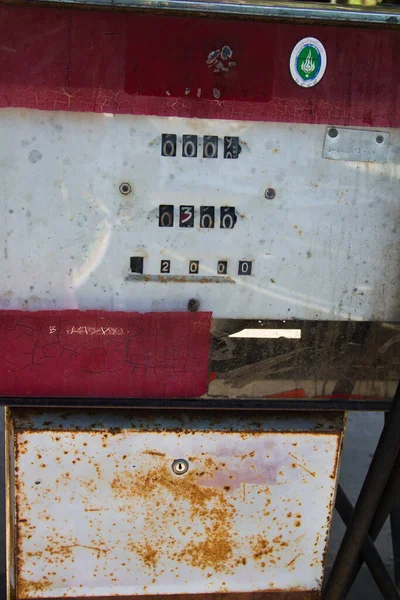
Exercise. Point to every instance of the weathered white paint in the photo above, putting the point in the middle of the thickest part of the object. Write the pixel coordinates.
(326, 247)
(100, 511)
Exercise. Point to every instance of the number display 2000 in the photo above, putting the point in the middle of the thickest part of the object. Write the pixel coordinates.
(244, 266)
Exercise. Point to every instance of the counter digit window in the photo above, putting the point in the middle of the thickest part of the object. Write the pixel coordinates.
(165, 266)
(189, 146)
(193, 267)
(207, 217)
(137, 264)
(210, 146)
(231, 147)
(245, 267)
(168, 144)
(166, 215)
(186, 216)
(222, 268)
(228, 217)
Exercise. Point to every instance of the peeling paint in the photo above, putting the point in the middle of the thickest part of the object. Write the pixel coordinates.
(219, 60)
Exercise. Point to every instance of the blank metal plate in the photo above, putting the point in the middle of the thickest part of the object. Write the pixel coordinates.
(361, 145)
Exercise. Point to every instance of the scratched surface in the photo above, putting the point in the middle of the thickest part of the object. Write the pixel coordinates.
(328, 360)
(252, 513)
(97, 354)
(142, 64)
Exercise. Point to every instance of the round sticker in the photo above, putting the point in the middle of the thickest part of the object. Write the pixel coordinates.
(308, 62)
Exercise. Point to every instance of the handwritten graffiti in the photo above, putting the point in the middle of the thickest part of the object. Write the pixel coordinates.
(87, 330)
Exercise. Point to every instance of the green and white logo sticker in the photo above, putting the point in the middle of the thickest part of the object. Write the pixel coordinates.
(308, 62)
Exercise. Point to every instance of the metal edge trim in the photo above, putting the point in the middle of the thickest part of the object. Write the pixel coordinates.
(261, 595)
(10, 516)
(339, 458)
(78, 420)
(341, 404)
(238, 8)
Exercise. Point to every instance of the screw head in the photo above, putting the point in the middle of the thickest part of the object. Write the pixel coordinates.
(333, 132)
(270, 193)
(380, 139)
(180, 466)
(125, 188)
(193, 305)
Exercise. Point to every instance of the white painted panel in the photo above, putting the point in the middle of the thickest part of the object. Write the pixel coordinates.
(326, 247)
(101, 512)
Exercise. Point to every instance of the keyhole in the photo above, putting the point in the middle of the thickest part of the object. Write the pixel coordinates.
(180, 466)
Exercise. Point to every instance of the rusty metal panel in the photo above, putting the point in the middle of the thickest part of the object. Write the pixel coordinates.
(104, 510)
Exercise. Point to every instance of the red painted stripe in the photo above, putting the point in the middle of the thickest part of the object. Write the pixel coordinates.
(67, 59)
(104, 354)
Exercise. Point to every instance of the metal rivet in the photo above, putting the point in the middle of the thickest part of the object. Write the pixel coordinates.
(180, 466)
(125, 188)
(380, 139)
(270, 193)
(333, 132)
(193, 305)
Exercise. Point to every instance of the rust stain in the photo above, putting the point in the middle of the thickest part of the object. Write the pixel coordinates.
(209, 506)
(153, 453)
(185, 279)
(337, 457)
(114, 431)
(216, 550)
(260, 548)
(293, 561)
(302, 466)
(278, 540)
(30, 589)
(147, 553)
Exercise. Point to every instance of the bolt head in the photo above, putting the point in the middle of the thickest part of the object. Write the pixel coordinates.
(125, 188)
(193, 305)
